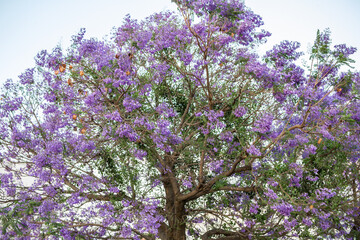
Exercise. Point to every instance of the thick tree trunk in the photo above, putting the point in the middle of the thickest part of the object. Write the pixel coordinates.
(175, 215)
(180, 221)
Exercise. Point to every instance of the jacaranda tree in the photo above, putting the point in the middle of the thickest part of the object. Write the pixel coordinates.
(176, 129)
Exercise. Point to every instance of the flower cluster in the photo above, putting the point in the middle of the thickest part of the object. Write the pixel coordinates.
(263, 125)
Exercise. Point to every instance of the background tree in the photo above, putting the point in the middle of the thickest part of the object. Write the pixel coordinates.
(176, 129)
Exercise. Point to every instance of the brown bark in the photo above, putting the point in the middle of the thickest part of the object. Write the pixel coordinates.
(175, 215)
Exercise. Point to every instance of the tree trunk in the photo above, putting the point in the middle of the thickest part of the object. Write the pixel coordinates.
(175, 215)
(180, 221)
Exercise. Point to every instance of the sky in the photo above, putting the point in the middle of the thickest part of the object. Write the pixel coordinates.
(28, 26)
(299, 21)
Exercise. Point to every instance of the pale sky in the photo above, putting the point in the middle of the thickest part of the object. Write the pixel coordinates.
(28, 26)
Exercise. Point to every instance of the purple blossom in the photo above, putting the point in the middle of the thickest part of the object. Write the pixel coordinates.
(93, 99)
(326, 133)
(28, 76)
(324, 193)
(125, 130)
(131, 104)
(54, 147)
(187, 182)
(271, 194)
(263, 125)
(301, 139)
(114, 116)
(307, 222)
(12, 105)
(114, 190)
(325, 225)
(273, 183)
(240, 111)
(311, 178)
(227, 136)
(164, 110)
(284, 208)
(139, 153)
(295, 181)
(46, 207)
(214, 116)
(173, 139)
(78, 38)
(310, 149)
(155, 183)
(254, 208)
(289, 225)
(343, 51)
(186, 57)
(40, 58)
(284, 53)
(249, 223)
(216, 166)
(253, 150)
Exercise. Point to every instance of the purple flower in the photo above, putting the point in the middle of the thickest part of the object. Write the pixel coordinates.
(46, 207)
(240, 111)
(343, 51)
(289, 225)
(164, 110)
(186, 57)
(312, 179)
(324, 193)
(50, 190)
(295, 181)
(131, 104)
(114, 190)
(216, 166)
(253, 150)
(307, 222)
(325, 225)
(271, 194)
(198, 114)
(249, 223)
(263, 125)
(187, 182)
(139, 153)
(114, 116)
(254, 208)
(78, 38)
(28, 76)
(272, 182)
(54, 147)
(125, 130)
(284, 53)
(12, 104)
(40, 58)
(283, 208)
(227, 136)
(213, 116)
(136, 88)
(310, 149)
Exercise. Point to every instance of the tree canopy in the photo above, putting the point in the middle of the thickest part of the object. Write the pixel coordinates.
(175, 128)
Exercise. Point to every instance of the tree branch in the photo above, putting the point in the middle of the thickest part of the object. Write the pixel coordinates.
(228, 235)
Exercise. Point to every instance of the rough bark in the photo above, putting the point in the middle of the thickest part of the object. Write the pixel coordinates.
(175, 215)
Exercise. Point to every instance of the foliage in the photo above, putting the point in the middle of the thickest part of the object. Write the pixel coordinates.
(176, 129)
